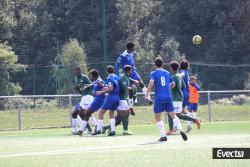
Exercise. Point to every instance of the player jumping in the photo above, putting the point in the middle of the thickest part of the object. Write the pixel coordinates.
(162, 81)
(128, 58)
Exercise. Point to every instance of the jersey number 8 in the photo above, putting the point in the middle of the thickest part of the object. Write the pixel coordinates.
(163, 82)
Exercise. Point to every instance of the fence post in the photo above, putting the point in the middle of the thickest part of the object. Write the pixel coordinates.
(70, 105)
(209, 106)
(19, 115)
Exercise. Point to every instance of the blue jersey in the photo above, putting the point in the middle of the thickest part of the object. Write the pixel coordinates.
(98, 87)
(78, 107)
(185, 77)
(125, 59)
(162, 80)
(113, 80)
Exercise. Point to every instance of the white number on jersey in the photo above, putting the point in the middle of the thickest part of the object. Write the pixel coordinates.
(163, 82)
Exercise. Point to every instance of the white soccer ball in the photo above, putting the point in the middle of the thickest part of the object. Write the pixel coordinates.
(197, 40)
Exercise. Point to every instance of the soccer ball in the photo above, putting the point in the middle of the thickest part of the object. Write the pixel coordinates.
(197, 40)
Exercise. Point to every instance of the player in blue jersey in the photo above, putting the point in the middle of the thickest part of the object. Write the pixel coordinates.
(163, 82)
(184, 65)
(76, 121)
(128, 58)
(98, 85)
(111, 101)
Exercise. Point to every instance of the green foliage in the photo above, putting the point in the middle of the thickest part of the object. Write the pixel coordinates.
(8, 67)
(28, 103)
(73, 54)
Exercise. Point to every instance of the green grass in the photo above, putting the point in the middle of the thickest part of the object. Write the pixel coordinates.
(60, 117)
(57, 148)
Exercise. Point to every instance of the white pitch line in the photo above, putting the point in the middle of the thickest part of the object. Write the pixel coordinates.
(117, 148)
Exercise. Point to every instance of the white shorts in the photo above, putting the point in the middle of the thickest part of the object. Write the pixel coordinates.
(86, 101)
(123, 105)
(177, 106)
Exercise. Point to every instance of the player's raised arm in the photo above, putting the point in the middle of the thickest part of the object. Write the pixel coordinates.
(117, 65)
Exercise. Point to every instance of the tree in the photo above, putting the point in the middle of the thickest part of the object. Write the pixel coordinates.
(73, 54)
(7, 20)
(8, 68)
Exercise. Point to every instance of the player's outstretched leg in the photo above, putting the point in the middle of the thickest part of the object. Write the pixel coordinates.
(177, 125)
(190, 119)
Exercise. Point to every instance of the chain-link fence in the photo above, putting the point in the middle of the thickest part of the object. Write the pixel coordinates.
(26, 112)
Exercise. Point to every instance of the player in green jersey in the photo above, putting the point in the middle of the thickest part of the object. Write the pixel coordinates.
(177, 96)
(83, 86)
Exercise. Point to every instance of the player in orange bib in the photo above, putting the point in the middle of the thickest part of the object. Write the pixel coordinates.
(193, 100)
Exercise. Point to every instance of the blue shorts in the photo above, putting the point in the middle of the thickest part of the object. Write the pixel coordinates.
(78, 107)
(134, 75)
(185, 98)
(193, 106)
(96, 104)
(161, 107)
(111, 103)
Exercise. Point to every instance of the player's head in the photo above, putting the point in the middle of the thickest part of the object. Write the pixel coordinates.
(78, 70)
(184, 64)
(110, 69)
(158, 62)
(130, 47)
(174, 66)
(93, 74)
(127, 69)
(192, 79)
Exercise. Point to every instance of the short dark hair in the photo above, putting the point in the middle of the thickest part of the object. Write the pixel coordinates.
(184, 64)
(174, 65)
(127, 68)
(130, 45)
(158, 62)
(110, 69)
(192, 78)
(94, 73)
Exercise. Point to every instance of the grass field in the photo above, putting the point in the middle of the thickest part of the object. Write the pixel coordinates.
(57, 148)
(52, 117)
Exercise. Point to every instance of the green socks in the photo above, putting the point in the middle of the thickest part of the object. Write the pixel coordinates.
(185, 117)
(125, 122)
(170, 122)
